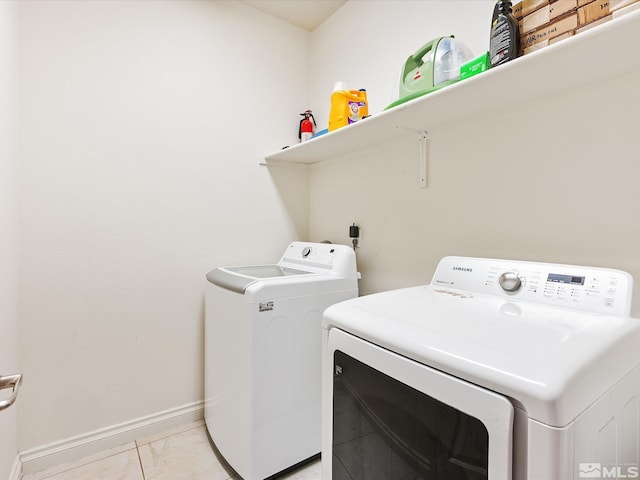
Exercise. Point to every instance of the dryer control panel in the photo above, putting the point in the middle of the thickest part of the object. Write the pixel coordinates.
(593, 289)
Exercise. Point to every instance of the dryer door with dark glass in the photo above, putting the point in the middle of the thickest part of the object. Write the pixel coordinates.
(393, 418)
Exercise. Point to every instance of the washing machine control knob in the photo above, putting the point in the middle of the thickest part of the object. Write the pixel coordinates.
(306, 251)
(510, 281)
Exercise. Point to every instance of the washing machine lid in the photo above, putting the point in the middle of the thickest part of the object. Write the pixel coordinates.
(552, 360)
(239, 279)
(267, 271)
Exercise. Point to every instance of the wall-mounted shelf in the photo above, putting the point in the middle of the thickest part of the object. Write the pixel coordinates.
(597, 55)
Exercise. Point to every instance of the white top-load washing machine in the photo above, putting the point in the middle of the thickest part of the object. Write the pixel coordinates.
(496, 370)
(263, 349)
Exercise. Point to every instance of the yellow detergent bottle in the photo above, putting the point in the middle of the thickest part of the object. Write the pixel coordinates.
(347, 106)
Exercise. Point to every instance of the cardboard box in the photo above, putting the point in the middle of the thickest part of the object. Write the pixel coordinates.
(517, 11)
(526, 7)
(551, 41)
(549, 31)
(593, 11)
(566, 18)
(561, 37)
(546, 14)
(534, 20)
(559, 8)
(535, 46)
(617, 8)
(589, 26)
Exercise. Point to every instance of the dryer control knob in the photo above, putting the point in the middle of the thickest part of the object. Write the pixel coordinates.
(306, 251)
(510, 281)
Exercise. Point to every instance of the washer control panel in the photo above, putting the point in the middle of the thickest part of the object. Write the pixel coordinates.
(510, 281)
(321, 258)
(593, 289)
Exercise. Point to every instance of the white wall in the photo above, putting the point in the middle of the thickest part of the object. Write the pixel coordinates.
(557, 181)
(8, 230)
(143, 124)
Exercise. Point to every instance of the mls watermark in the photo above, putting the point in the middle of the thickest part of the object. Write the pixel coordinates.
(608, 470)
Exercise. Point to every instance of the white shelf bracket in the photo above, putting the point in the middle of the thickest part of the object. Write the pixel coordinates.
(423, 158)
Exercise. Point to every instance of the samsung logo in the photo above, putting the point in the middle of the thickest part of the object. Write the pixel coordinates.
(462, 269)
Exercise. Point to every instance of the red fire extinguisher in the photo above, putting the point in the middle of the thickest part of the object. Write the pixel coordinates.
(305, 131)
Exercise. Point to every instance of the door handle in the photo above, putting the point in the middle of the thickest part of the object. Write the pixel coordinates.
(10, 381)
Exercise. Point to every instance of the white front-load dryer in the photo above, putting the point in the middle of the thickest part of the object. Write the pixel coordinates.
(263, 350)
(496, 370)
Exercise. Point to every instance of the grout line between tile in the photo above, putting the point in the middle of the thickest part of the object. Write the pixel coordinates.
(144, 477)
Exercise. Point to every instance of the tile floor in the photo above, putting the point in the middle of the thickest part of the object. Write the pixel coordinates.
(181, 454)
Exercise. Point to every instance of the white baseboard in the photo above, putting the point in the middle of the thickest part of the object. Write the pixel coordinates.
(16, 470)
(70, 449)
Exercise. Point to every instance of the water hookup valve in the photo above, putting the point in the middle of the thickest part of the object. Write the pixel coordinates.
(354, 234)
